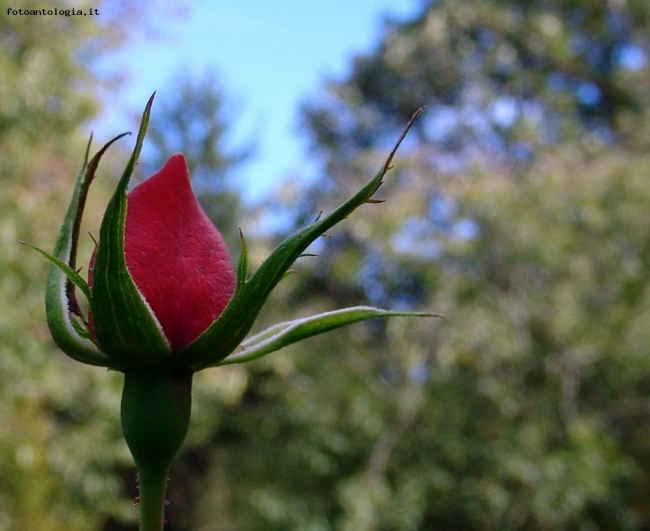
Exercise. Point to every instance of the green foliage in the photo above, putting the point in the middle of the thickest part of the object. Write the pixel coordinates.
(543, 339)
(527, 408)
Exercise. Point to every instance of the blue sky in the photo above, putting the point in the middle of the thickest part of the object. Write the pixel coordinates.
(269, 55)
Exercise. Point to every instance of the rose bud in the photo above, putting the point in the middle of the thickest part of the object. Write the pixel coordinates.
(176, 257)
(165, 302)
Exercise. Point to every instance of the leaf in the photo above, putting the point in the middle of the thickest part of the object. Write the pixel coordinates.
(247, 301)
(284, 334)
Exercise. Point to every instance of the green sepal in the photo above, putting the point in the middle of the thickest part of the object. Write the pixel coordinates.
(284, 334)
(81, 327)
(72, 275)
(242, 266)
(61, 306)
(126, 328)
(226, 333)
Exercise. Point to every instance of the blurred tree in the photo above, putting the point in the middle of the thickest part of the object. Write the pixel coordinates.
(547, 347)
(498, 77)
(519, 210)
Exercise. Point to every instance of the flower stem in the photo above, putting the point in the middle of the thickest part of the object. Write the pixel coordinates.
(156, 407)
(152, 488)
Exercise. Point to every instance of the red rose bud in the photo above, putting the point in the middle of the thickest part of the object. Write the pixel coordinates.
(165, 302)
(176, 257)
(162, 273)
(163, 293)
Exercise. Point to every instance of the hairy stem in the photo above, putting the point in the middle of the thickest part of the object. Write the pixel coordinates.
(156, 407)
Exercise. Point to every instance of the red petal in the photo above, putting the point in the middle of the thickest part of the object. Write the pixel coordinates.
(176, 256)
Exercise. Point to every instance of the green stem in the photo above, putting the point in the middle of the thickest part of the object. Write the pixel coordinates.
(156, 407)
(152, 489)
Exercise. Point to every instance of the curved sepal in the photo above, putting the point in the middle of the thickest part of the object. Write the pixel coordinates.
(284, 334)
(227, 332)
(64, 318)
(126, 328)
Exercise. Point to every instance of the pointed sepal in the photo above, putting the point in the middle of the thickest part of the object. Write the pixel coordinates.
(242, 266)
(289, 332)
(67, 326)
(72, 275)
(126, 328)
(227, 332)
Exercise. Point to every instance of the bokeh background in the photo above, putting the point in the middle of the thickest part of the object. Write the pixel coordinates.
(518, 207)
